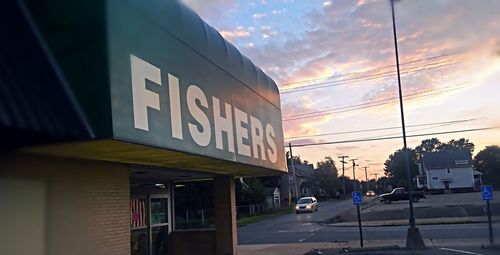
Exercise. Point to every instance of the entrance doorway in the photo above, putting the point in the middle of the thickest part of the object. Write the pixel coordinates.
(150, 228)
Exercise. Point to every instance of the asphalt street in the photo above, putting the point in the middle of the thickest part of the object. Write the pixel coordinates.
(293, 228)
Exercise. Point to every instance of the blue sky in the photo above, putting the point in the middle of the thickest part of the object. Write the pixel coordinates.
(449, 50)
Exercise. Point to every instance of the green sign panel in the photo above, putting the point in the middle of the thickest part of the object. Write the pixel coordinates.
(176, 84)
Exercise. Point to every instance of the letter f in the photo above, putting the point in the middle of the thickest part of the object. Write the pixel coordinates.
(141, 97)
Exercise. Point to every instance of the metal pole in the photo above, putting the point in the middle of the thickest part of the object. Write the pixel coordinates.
(293, 170)
(489, 221)
(360, 229)
(414, 239)
(405, 148)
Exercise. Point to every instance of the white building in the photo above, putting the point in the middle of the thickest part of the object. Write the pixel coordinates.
(446, 171)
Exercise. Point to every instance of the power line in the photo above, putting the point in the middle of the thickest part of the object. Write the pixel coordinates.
(341, 82)
(392, 137)
(333, 108)
(372, 70)
(385, 128)
(373, 103)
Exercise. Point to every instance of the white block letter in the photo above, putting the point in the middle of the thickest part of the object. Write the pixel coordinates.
(141, 97)
(223, 124)
(195, 94)
(241, 132)
(175, 106)
(257, 136)
(271, 152)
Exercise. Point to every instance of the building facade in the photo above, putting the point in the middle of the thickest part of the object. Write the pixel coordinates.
(107, 109)
(447, 171)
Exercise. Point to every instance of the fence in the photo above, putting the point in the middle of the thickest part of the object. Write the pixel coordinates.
(205, 218)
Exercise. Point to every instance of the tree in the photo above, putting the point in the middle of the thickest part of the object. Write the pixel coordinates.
(487, 162)
(296, 159)
(427, 145)
(326, 176)
(251, 191)
(460, 144)
(395, 167)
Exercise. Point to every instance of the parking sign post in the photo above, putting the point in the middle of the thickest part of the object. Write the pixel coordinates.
(357, 199)
(487, 193)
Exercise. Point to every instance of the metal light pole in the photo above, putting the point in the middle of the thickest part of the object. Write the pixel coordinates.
(413, 239)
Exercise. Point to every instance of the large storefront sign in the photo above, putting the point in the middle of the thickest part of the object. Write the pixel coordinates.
(154, 74)
(176, 94)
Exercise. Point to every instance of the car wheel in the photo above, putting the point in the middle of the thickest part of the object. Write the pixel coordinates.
(387, 201)
(297, 212)
(316, 209)
(415, 199)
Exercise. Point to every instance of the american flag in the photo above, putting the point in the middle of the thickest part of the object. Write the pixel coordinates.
(137, 212)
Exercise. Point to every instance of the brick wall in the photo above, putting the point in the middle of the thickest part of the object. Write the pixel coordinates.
(87, 203)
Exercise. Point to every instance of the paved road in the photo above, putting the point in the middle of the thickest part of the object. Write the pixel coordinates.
(300, 228)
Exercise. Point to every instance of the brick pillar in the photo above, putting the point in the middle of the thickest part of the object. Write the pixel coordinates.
(226, 241)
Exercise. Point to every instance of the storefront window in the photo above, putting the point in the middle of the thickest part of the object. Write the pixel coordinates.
(149, 225)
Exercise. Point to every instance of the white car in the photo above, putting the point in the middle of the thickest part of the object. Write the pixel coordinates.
(306, 204)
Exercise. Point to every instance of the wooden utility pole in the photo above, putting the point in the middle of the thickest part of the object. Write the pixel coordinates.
(354, 173)
(343, 173)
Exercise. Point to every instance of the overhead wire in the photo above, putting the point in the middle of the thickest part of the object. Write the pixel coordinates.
(386, 128)
(390, 137)
(372, 70)
(372, 104)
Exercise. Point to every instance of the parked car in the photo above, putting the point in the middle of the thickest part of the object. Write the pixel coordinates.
(400, 194)
(306, 204)
(370, 193)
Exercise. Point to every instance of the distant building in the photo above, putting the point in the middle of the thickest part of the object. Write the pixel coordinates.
(447, 171)
(303, 176)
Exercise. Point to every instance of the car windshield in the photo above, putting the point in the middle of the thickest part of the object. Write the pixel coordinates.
(305, 201)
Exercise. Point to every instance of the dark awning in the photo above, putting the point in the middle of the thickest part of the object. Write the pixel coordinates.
(36, 105)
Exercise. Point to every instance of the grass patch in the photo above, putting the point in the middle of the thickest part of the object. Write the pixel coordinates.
(245, 220)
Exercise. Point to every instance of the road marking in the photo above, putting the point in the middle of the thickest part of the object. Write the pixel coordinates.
(283, 231)
(460, 251)
(302, 240)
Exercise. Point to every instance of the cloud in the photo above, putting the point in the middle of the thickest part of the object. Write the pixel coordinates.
(233, 35)
(212, 10)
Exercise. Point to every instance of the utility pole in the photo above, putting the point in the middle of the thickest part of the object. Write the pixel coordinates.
(343, 173)
(293, 172)
(413, 239)
(366, 177)
(354, 173)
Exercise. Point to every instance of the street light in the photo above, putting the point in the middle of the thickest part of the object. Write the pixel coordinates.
(413, 239)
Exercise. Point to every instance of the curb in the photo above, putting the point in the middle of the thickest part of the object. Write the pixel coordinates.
(404, 222)
(491, 247)
(366, 249)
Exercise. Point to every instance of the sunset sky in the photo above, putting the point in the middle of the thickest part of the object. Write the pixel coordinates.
(334, 62)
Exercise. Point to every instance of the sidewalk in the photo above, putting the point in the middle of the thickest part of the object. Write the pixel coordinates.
(432, 221)
(335, 248)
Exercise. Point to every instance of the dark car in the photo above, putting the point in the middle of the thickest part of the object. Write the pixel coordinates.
(398, 194)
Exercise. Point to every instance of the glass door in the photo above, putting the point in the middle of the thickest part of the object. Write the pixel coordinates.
(149, 225)
(159, 224)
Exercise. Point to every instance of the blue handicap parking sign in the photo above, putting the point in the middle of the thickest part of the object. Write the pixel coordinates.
(487, 192)
(357, 199)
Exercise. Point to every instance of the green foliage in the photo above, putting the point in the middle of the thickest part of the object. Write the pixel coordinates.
(251, 192)
(433, 144)
(487, 162)
(395, 167)
(326, 176)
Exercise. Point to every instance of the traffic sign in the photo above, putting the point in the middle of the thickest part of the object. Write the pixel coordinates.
(486, 192)
(357, 198)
